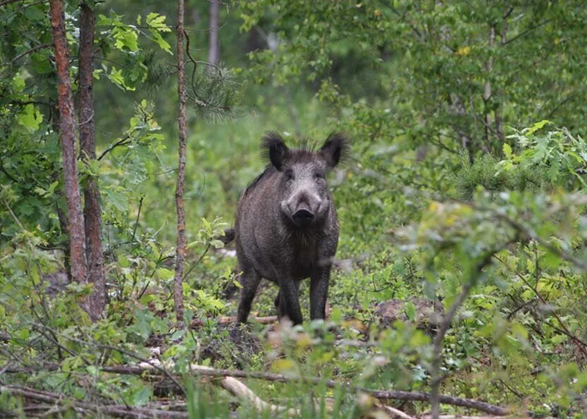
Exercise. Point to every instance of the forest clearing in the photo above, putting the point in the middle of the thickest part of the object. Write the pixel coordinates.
(293, 209)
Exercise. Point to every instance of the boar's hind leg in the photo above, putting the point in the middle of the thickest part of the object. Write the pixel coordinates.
(288, 301)
(250, 281)
(319, 293)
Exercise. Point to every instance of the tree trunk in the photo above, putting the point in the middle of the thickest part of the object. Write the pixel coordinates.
(92, 211)
(214, 51)
(181, 242)
(77, 237)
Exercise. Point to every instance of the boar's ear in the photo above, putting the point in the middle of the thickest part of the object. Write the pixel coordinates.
(335, 148)
(275, 149)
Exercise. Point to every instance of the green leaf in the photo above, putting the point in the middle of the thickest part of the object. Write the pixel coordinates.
(165, 274)
(163, 44)
(142, 396)
(507, 151)
(217, 244)
(551, 260)
(126, 38)
(536, 127)
(117, 198)
(30, 118)
(24, 334)
(18, 83)
(410, 310)
(157, 21)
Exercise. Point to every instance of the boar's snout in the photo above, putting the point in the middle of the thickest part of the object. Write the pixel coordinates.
(303, 217)
(304, 209)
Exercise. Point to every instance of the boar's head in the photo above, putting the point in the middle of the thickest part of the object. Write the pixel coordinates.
(303, 190)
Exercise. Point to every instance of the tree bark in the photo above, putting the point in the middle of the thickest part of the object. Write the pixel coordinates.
(181, 241)
(214, 50)
(92, 210)
(77, 237)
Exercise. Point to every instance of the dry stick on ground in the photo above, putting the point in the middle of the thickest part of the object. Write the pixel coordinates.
(92, 210)
(181, 240)
(378, 394)
(76, 233)
(394, 413)
(238, 389)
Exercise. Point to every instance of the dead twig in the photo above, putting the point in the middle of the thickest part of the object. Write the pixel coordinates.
(122, 142)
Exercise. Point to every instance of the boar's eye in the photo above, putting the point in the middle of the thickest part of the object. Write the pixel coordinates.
(289, 175)
(318, 176)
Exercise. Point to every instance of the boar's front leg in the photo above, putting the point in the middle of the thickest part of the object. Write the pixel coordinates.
(250, 280)
(319, 292)
(289, 301)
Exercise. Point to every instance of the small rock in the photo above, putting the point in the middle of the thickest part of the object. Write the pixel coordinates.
(428, 312)
(58, 282)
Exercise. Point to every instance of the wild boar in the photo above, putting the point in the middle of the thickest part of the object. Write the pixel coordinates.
(286, 226)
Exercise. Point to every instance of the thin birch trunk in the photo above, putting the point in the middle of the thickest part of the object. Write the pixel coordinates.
(214, 50)
(181, 241)
(92, 210)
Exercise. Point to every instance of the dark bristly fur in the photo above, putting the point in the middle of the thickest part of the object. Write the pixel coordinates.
(286, 228)
(267, 172)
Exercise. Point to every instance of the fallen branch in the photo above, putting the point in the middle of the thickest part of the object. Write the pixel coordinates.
(85, 407)
(394, 413)
(232, 385)
(238, 389)
(378, 394)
